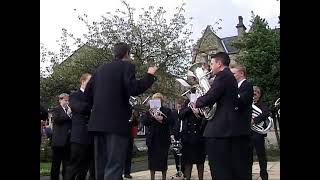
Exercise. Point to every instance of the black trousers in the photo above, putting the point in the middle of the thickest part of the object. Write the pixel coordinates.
(110, 154)
(228, 157)
(60, 155)
(127, 167)
(178, 161)
(81, 160)
(257, 143)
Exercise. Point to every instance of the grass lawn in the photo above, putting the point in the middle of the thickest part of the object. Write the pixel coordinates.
(45, 168)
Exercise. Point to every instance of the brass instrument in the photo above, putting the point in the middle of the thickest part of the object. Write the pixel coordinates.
(194, 110)
(156, 112)
(69, 109)
(135, 103)
(259, 128)
(277, 105)
(202, 86)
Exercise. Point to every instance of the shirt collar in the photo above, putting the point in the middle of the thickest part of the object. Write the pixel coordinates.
(239, 83)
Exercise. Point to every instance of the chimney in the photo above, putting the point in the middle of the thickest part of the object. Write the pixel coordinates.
(240, 26)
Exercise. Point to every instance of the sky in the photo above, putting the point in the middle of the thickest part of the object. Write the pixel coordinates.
(58, 14)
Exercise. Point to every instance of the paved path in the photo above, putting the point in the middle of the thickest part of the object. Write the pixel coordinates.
(273, 170)
(140, 173)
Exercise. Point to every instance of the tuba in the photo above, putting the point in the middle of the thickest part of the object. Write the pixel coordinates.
(202, 86)
(263, 127)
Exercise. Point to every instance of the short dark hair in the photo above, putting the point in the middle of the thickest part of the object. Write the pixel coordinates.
(222, 57)
(180, 101)
(120, 50)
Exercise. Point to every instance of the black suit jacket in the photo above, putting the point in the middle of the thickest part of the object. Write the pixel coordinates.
(157, 130)
(61, 127)
(175, 128)
(193, 128)
(80, 117)
(108, 91)
(224, 92)
(43, 113)
(245, 103)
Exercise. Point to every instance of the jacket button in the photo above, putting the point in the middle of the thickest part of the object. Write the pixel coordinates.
(195, 124)
(195, 131)
(236, 108)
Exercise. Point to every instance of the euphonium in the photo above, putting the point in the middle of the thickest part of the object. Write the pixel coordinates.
(202, 87)
(264, 126)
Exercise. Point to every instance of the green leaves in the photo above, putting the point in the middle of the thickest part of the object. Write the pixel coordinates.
(153, 38)
(260, 53)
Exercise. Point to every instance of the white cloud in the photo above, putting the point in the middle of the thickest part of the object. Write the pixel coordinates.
(263, 8)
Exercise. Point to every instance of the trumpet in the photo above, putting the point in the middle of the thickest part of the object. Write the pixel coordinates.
(156, 112)
(69, 109)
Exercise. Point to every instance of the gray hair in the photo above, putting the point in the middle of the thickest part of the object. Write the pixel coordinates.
(257, 88)
(63, 95)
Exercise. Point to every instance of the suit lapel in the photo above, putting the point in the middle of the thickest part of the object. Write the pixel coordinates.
(242, 84)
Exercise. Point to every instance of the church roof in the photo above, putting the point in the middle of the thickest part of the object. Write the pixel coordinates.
(227, 43)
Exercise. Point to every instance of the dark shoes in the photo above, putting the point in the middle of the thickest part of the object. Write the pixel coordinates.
(128, 176)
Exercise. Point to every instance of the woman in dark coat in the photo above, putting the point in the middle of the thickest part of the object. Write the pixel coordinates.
(193, 143)
(158, 138)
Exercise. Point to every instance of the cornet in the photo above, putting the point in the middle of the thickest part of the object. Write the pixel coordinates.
(156, 112)
(69, 109)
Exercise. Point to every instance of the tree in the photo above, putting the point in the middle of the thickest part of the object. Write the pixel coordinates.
(260, 53)
(65, 76)
(154, 39)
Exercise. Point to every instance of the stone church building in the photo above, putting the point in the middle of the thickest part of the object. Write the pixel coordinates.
(210, 43)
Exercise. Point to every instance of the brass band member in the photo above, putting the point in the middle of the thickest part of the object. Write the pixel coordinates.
(227, 135)
(245, 99)
(193, 142)
(176, 133)
(60, 136)
(109, 91)
(81, 155)
(257, 140)
(158, 138)
(133, 123)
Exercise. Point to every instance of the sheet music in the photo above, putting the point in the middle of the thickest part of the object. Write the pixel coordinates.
(193, 97)
(183, 82)
(155, 103)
